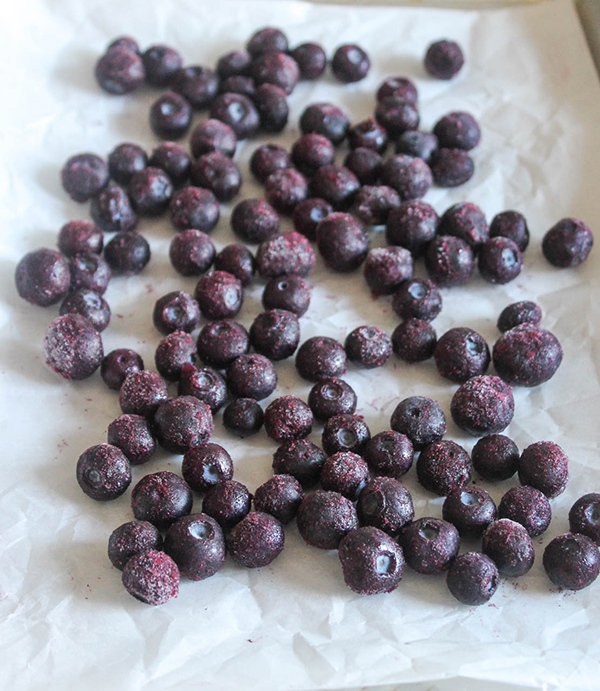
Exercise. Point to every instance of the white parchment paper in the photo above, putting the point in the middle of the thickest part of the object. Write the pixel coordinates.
(65, 621)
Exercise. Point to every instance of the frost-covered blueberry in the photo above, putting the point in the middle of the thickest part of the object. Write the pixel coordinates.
(130, 539)
(43, 277)
(326, 119)
(509, 545)
(173, 351)
(83, 176)
(213, 135)
(196, 544)
(473, 579)
(119, 71)
(483, 405)
(89, 305)
(176, 311)
(545, 466)
(243, 416)
(336, 184)
(495, 457)
(467, 222)
(234, 63)
(272, 106)
(198, 85)
(525, 312)
(301, 459)
(228, 502)
(256, 540)
(150, 191)
(345, 432)
(191, 252)
(421, 419)
(389, 454)
(451, 167)
(568, 243)
(311, 60)
(512, 225)
(430, 545)
(344, 472)
(238, 261)
(89, 271)
(444, 59)
(267, 39)
(330, 397)
(409, 176)
(368, 134)
(237, 111)
(275, 334)
(470, 510)
(182, 423)
(206, 465)
(386, 268)
(125, 160)
(414, 340)
(161, 499)
(275, 68)
(267, 159)
(397, 115)
(368, 347)
(572, 561)
(386, 504)
(444, 466)
(134, 436)
(219, 295)
(127, 253)
(205, 383)
(289, 293)
(418, 299)
(170, 116)
(103, 472)
(342, 242)
(460, 354)
(280, 496)
(285, 188)
(417, 143)
(73, 347)
(325, 518)
(449, 261)
(288, 418)
(151, 577)
(254, 220)
(365, 164)
(112, 210)
(412, 225)
(289, 253)
(398, 86)
(218, 173)
(80, 237)
(221, 342)
(238, 84)
(373, 203)
(251, 376)
(142, 392)
(499, 260)
(458, 130)
(307, 215)
(173, 159)
(527, 506)
(584, 516)
(320, 358)
(118, 365)
(311, 152)
(161, 64)
(350, 63)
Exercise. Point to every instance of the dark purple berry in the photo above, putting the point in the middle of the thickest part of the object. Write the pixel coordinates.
(473, 578)
(288, 418)
(213, 135)
(118, 365)
(272, 106)
(451, 167)
(335, 184)
(397, 115)
(206, 465)
(176, 311)
(418, 299)
(112, 210)
(345, 472)
(237, 111)
(161, 63)
(191, 252)
(470, 510)
(365, 164)
(220, 295)
(252, 376)
(217, 173)
(197, 546)
(417, 143)
(83, 176)
(499, 260)
(519, 313)
(256, 541)
(342, 242)
(288, 293)
(275, 333)
(134, 436)
(194, 207)
(508, 544)
(368, 134)
(430, 545)
(326, 119)
(460, 354)
(330, 397)
(386, 268)
(288, 253)
(267, 159)
(279, 496)
(385, 504)
(267, 39)
(483, 405)
(161, 499)
(124, 42)
(150, 191)
(276, 68)
(444, 466)
(527, 506)
(495, 457)
(409, 176)
(373, 204)
(80, 237)
(170, 116)
(398, 86)
(173, 159)
(414, 340)
(254, 220)
(72, 347)
(238, 261)
(389, 454)
(198, 85)
(103, 472)
(345, 433)
(127, 253)
(228, 502)
(544, 466)
(307, 215)
(89, 271)
(235, 63)
(152, 577)
(311, 60)
(512, 225)
(238, 84)
(172, 353)
(584, 516)
(467, 222)
(444, 59)
(43, 277)
(285, 188)
(89, 305)
(301, 459)
(130, 539)
(311, 152)
(320, 358)
(119, 71)
(350, 63)
(572, 561)
(421, 419)
(449, 261)
(221, 342)
(243, 417)
(205, 383)
(457, 131)
(182, 423)
(325, 518)
(568, 243)
(125, 160)
(142, 392)
(368, 347)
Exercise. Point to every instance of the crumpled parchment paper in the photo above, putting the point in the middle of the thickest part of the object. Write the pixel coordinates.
(65, 621)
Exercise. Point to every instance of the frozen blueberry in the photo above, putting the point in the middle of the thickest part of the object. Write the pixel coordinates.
(397, 115)
(509, 545)
(568, 243)
(127, 253)
(308, 214)
(409, 176)
(324, 518)
(150, 190)
(254, 220)
(335, 184)
(161, 63)
(276, 68)
(152, 577)
(430, 545)
(198, 85)
(385, 504)
(285, 188)
(228, 502)
(342, 242)
(279, 496)
(457, 130)
(467, 222)
(213, 135)
(256, 541)
(134, 436)
(124, 42)
(519, 313)
(252, 376)
(301, 459)
(243, 416)
(206, 465)
(161, 499)
(373, 203)
(444, 59)
(112, 210)
(288, 253)
(326, 119)
(130, 539)
(89, 271)
(238, 261)
(330, 397)
(196, 544)
(460, 354)
(418, 299)
(103, 472)
(119, 71)
(584, 516)
(267, 39)
(495, 457)
(288, 418)
(544, 466)
(142, 392)
(311, 60)
(527, 506)
(451, 167)
(176, 311)
(527, 355)
(89, 305)
(272, 106)
(350, 63)
(320, 358)
(217, 173)
(512, 225)
(194, 207)
(368, 134)
(444, 466)
(275, 333)
(267, 159)
(43, 277)
(182, 423)
(473, 578)
(118, 365)
(238, 84)
(389, 454)
(483, 405)
(191, 252)
(83, 176)
(372, 562)
(414, 340)
(365, 164)
(237, 111)
(398, 86)
(470, 510)
(417, 143)
(220, 295)
(125, 160)
(345, 433)
(79, 237)
(386, 268)
(288, 293)
(499, 261)
(173, 159)
(368, 347)
(73, 347)
(345, 472)
(172, 353)
(311, 152)
(234, 63)
(421, 419)
(204, 383)
(170, 116)
(572, 561)
(221, 342)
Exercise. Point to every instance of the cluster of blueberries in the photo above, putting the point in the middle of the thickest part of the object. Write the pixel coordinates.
(362, 509)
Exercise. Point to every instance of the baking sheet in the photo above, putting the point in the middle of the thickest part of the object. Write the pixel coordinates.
(65, 621)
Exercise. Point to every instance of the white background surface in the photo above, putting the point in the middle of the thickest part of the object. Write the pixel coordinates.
(65, 621)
